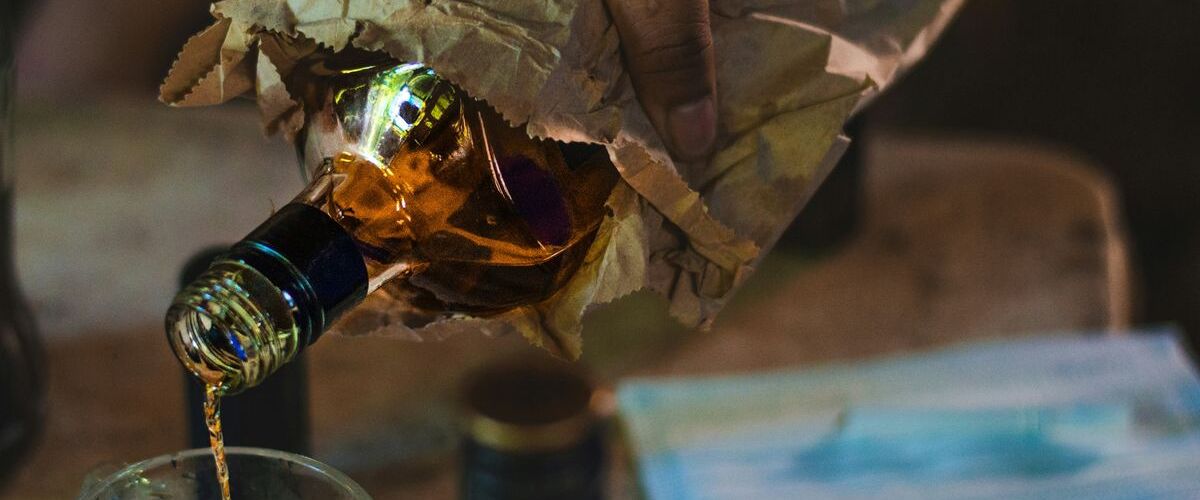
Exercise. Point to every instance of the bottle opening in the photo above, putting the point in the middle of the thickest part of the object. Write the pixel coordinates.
(232, 327)
(201, 339)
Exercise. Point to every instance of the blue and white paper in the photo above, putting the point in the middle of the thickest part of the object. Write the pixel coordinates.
(1054, 417)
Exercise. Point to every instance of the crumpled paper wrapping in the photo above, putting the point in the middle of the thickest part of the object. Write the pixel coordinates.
(789, 74)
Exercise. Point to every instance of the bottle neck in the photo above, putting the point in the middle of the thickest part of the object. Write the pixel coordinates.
(274, 293)
(312, 259)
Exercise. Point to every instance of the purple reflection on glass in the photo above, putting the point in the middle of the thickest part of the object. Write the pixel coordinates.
(537, 198)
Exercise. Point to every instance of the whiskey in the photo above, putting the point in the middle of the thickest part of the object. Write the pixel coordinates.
(216, 439)
(424, 192)
(473, 214)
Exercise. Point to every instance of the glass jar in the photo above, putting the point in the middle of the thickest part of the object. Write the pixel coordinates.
(259, 473)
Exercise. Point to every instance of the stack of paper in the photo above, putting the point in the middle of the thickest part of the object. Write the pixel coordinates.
(1056, 417)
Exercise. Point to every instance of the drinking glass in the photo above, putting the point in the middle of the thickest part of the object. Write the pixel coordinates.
(254, 473)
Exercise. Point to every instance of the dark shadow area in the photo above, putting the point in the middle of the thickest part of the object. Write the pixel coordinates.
(1115, 81)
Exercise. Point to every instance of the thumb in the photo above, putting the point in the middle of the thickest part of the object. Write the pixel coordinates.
(667, 46)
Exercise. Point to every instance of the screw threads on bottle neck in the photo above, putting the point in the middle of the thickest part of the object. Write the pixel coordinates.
(274, 293)
(232, 327)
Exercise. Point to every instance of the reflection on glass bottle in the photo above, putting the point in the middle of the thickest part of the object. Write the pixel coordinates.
(424, 192)
(20, 354)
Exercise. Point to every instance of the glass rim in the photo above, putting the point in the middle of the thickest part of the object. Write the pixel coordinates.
(335, 476)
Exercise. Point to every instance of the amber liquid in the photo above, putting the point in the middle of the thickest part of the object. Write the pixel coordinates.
(451, 209)
(477, 217)
(216, 440)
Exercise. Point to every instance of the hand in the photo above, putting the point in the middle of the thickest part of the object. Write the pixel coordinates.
(668, 51)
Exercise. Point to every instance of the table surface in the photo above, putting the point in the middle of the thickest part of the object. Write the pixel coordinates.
(961, 240)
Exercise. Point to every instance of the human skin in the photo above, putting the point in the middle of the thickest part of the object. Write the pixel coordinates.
(668, 50)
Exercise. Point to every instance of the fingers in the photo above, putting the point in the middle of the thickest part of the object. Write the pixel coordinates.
(667, 45)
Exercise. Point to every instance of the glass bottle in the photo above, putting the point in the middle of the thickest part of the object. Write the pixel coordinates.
(418, 189)
(274, 414)
(21, 365)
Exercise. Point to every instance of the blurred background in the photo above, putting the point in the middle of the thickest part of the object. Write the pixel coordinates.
(1037, 172)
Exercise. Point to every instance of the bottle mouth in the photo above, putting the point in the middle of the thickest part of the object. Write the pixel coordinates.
(207, 348)
(232, 327)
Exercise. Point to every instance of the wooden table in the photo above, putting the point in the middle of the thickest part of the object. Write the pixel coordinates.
(961, 240)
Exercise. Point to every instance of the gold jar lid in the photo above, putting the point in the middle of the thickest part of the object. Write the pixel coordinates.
(529, 405)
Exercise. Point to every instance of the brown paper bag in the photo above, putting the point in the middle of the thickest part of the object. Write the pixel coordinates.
(789, 74)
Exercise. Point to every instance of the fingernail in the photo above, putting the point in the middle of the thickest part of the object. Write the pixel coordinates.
(693, 127)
